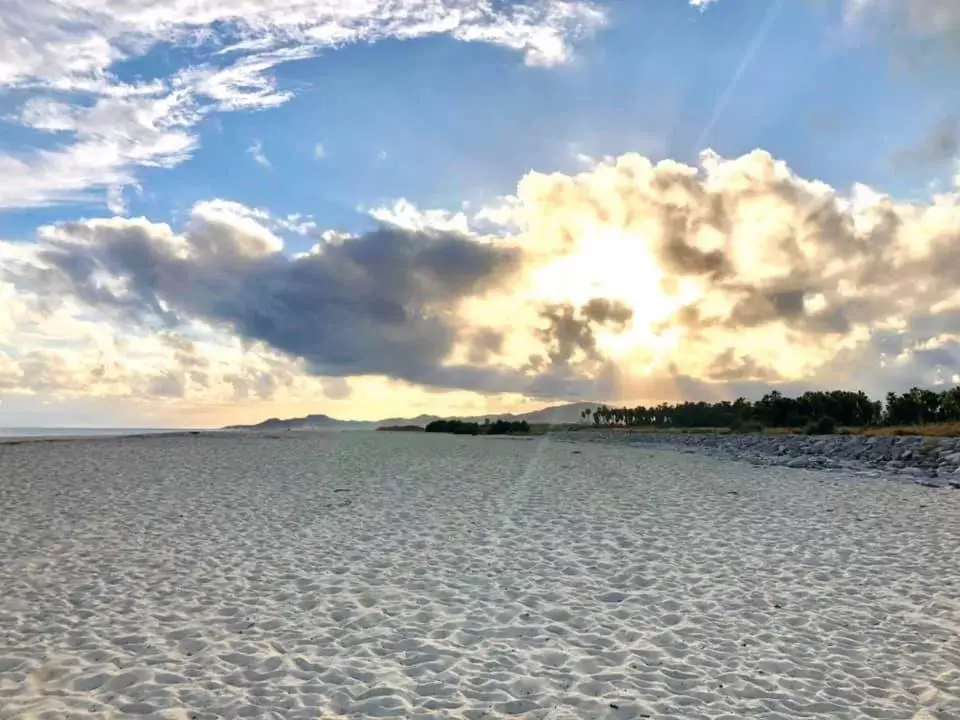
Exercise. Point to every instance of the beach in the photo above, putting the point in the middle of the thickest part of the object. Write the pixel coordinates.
(306, 575)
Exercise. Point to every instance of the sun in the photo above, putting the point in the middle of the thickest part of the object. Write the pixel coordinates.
(618, 266)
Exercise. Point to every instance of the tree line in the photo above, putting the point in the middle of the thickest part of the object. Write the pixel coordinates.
(843, 407)
(464, 427)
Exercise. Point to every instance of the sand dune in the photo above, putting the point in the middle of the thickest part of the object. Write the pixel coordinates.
(371, 575)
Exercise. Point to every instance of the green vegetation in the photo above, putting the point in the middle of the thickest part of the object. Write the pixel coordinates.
(821, 426)
(815, 413)
(461, 427)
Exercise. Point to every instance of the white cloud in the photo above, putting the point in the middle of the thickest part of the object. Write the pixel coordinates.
(408, 216)
(319, 152)
(115, 201)
(298, 224)
(64, 58)
(256, 152)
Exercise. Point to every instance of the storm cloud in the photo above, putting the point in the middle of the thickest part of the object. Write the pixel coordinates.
(379, 304)
(571, 329)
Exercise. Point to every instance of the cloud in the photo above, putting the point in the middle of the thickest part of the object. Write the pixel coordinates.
(256, 152)
(924, 18)
(941, 144)
(405, 214)
(378, 304)
(570, 330)
(63, 66)
(115, 201)
(632, 281)
(483, 345)
(319, 151)
(740, 270)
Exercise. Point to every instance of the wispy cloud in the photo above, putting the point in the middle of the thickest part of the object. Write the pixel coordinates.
(939, 18)
(319, 151)
(64, 57)
(256, 152)
(115, 201)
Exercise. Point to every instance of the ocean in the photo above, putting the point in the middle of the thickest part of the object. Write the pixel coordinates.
(61, 432)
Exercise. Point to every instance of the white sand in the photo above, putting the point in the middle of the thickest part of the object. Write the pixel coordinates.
(376, 575)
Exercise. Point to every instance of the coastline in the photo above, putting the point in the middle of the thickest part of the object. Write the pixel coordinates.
(929, 461)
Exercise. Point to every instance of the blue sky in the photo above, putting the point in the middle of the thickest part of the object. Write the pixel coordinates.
(439, 121)
(448, 107)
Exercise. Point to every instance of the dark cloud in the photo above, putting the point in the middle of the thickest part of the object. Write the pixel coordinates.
(607, 312)
(944, 358)
(728, 366)
(484, 344)
(681, 224)
(765, 305)
(381, 303)
(941, 144)
(570, 329)
(760, 307)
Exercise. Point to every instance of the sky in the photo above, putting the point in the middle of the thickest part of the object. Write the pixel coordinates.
(212, 213)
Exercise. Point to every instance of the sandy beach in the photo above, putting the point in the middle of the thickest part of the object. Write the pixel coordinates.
(413, 576)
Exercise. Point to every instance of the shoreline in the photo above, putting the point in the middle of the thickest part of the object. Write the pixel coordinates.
(928, 461)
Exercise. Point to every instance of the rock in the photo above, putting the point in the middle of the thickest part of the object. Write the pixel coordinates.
(913, 471)
(904, 458)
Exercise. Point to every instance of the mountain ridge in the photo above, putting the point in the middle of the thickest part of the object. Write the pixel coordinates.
(554, 414)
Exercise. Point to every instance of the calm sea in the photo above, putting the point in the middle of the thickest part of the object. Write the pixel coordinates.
(40, 432)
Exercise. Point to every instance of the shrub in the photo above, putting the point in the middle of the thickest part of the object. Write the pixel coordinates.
(747, 426)
(457, 427)
(821, 426)
(508, 427)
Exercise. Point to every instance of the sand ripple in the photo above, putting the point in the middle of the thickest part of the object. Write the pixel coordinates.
(369, 575)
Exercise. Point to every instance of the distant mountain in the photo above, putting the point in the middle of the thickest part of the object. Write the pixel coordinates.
(557, 415)
(309, 422)
(422, 420)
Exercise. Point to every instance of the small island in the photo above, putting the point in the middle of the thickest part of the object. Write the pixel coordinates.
(401, 428)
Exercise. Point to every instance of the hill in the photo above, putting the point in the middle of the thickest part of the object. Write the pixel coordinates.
(310, 422)
(555, 415)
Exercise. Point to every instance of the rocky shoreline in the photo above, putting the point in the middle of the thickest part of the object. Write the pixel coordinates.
(929, 461)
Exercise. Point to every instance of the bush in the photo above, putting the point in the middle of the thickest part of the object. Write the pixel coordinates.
(457, 427)
(508, 427)
(821, 426)
(462, 427)
(747, 426)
